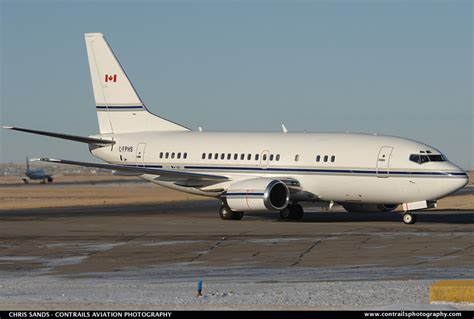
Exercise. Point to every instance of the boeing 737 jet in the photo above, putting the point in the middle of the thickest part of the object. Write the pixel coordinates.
(257, 171)
(36, 174)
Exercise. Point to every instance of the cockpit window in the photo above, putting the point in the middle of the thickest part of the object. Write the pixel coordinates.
(415, 158)
(437, 158)
(424, 159)
(420, 159)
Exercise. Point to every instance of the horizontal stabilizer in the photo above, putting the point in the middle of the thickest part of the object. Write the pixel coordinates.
(170, 175)
(82, 139)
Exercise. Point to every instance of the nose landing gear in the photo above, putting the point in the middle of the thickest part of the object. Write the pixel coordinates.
(409, 218)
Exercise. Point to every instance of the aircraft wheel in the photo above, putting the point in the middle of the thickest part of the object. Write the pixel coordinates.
(25, 181)
(237, 215)
(409, 218)
(292, 211)
(285, 213)
(227, 214)
(296, 212)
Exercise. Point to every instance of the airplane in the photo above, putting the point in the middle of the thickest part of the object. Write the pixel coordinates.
(36, 174)
(257, 171)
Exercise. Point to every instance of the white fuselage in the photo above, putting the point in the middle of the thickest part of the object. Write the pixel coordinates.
(359, 168)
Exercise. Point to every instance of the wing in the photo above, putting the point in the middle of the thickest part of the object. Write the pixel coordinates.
(178, 177)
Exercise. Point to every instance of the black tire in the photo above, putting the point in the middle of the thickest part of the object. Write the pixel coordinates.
(409, 218)
(296, 212)
(285, 213)
(237, 215)
(227, 214)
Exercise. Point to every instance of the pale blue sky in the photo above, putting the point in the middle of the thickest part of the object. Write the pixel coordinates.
(392, 67)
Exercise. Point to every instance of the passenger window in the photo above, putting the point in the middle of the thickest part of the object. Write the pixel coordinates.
(167, 154)
(297, 157)
(185, 155)
(209, 156)
(179, 155)
(242, 157)
(325, 158)
(216, 156)
(161, 154)
(271, 157)
(229, 156)
(222, 156)
(172, 155)
(236, 156)
(249, 157)
(256, 157)
(203, 155)
(277, 157)
(264, 157)
(333, 158)
(318, 158)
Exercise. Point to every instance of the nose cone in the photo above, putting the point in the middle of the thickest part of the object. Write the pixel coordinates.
(459, 179)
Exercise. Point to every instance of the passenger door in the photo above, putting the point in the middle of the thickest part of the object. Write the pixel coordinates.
(383, 161)
(140, 154)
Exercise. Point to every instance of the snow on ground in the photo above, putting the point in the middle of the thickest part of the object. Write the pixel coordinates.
(140, 290)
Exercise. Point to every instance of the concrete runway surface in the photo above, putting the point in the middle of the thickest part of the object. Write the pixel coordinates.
(142, 255)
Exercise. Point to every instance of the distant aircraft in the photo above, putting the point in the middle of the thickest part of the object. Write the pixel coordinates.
(250, 171)
(36, 174)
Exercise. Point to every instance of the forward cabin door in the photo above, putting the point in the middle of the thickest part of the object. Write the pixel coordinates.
(264, 158)
(140, 154)
(383, 161)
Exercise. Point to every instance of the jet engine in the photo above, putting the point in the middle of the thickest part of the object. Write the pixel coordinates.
(257, 194)
(366, 208)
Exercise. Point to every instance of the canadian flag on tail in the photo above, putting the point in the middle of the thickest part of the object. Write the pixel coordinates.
(111, 78)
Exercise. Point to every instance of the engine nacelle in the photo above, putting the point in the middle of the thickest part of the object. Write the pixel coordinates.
(257, 194)
(366, 208)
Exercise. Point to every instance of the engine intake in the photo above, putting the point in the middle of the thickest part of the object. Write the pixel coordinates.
(257, 194)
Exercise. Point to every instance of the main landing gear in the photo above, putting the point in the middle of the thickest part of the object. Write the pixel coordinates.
(292, 211)
(409, 218)
(227, 214)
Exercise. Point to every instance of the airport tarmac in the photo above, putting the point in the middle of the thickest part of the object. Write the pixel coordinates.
(152, 254)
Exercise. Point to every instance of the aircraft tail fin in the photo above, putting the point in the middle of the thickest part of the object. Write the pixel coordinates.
(119, 108)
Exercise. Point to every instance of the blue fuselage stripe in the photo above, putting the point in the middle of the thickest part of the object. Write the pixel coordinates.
(119, 107)
(309, 170)
(244, 194)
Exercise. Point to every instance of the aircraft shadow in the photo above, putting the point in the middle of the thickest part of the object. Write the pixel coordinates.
(208, 209)
(441, 217)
